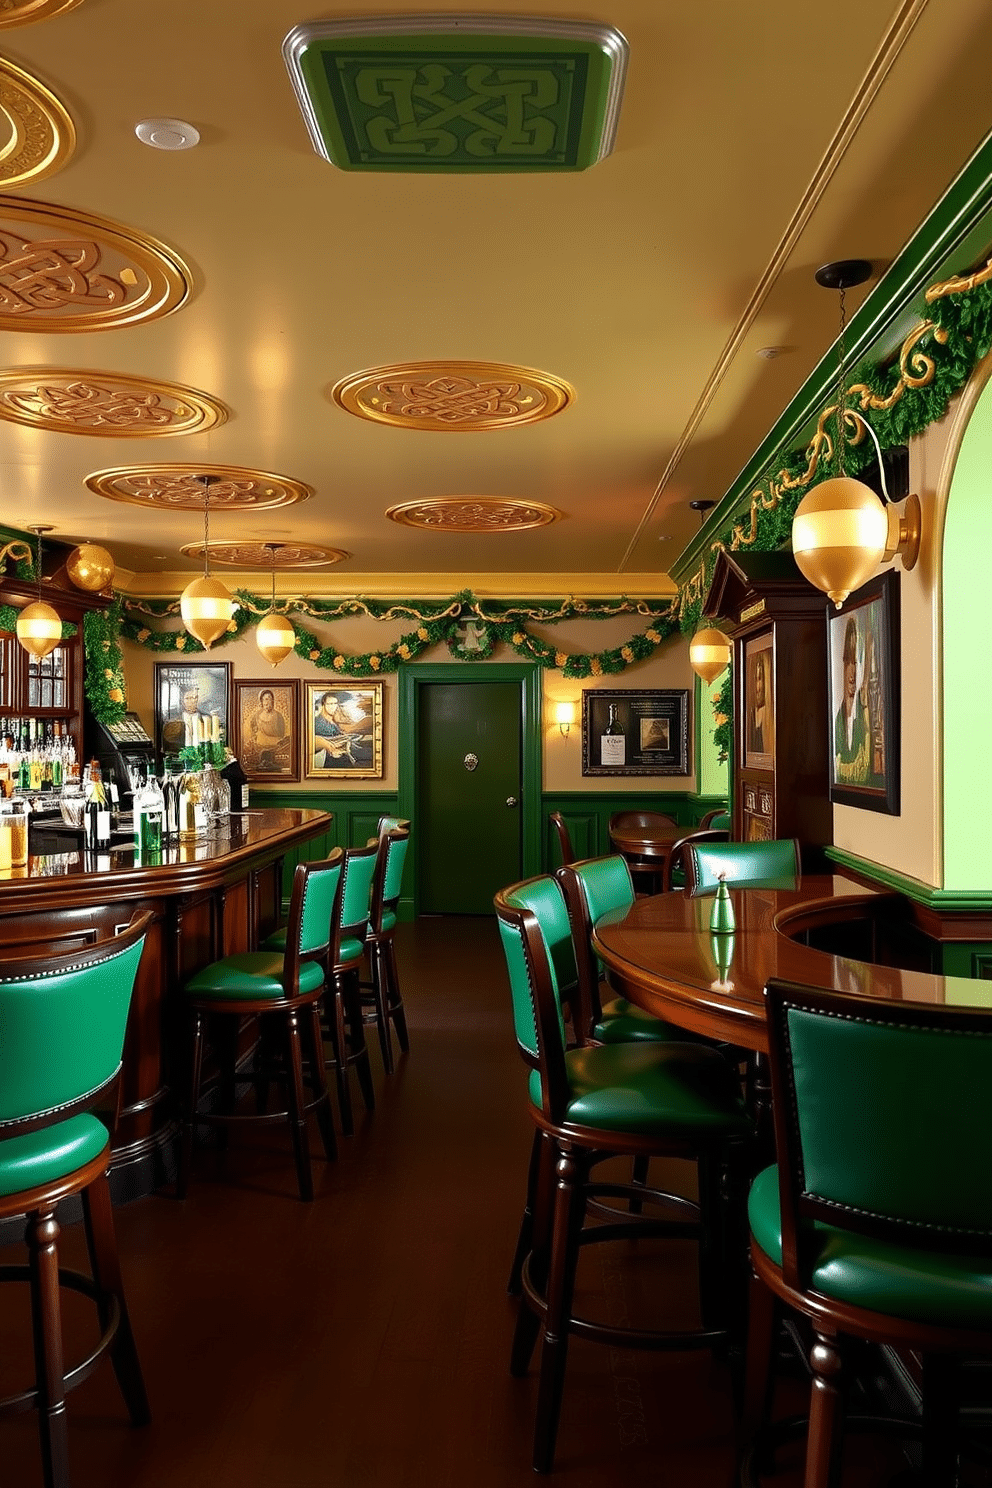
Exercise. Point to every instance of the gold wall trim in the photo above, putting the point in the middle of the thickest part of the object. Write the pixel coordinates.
(107, 404)
(427, 585)
(24, 12)
(259, 555)
(37, 136)
(180, 487)
(453, 397)
(472, 514)
(63, 270)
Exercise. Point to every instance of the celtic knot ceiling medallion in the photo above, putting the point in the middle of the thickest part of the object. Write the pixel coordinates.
(23, 12)
(281, 555)
(109, 404)
(453, 397)
(37, 136)
(181, 487)
(473, 514)
(450, 93)
(63, 270)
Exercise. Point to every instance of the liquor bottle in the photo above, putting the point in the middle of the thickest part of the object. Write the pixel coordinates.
(97, 812)
(170, 795)
(149, 810)
(192, 819)
(613, 744)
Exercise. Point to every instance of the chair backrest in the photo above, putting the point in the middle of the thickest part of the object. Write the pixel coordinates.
(523, 912)
(63, 1020)
(592, 888)
(313, 926)
(719, 817)
(882, 1112)
(741, 862)
(356, 892)
(565, 847)
(674, 873)
(641, 820)
(392, 824)
(387, 875)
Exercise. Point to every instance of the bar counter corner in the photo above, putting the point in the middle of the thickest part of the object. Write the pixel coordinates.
(209, 898)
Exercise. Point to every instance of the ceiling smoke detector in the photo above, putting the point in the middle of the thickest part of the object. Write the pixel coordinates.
(167, 134)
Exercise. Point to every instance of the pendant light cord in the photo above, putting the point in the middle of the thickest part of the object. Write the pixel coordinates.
(840, 382)
(206, 526)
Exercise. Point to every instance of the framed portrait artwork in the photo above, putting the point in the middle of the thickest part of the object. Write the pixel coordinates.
(344, 731)
(265, 729)
(191, 704)
(864, 697)
(759, 703)
(635, 733)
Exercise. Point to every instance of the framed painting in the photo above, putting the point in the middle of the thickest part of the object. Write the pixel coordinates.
(191, 704)
(633, 732)
(265, 729)
(344, 731)
(759, 703)
(865, 698)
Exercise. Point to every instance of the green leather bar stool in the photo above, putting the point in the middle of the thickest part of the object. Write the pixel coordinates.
(283, 988)
(381, 943)
(392, 824)
(741, 862)
(876, 1222)
(63, 1020)
(651, 1099)
(674, 872)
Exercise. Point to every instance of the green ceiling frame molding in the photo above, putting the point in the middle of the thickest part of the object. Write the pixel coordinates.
(458, 93)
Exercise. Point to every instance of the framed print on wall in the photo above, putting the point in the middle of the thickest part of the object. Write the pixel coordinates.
(864, 697)
(759, 703)
(265, 729)
(344, 731)
(632, 732)
(191, 704)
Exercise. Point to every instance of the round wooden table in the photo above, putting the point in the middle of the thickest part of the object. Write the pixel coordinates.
(646, 848)
(663, 956)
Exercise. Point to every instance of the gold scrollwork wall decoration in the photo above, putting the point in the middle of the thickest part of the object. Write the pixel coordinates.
(960, 284)
(15, 552)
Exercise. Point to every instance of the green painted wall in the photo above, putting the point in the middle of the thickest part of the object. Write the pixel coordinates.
(967, 720)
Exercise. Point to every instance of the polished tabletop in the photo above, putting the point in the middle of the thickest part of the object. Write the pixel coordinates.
(654, 841)
(663, 956)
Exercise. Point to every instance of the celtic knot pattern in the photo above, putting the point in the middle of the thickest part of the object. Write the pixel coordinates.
(274, 555)
(453, 400)
(182, 487)
(472, 514)
(453, 395)
(90, 406)
(76, 402)
(54, 274)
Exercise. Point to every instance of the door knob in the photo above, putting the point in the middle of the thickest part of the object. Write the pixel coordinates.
(511, 800)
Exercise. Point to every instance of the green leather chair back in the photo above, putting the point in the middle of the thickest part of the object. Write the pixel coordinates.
(882, 1114)
(741, 862)
(317, 912)
(62, 1024)
(542, 898)
(396, 846)
(356, 895)
(606, 884)
(392, 824)
(592, 888)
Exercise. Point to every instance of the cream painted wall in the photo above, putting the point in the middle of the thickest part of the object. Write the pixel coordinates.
(562, 759)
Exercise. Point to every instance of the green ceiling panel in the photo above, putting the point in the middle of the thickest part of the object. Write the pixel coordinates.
(463, 93)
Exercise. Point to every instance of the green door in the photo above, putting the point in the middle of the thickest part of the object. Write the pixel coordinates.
(468, 799)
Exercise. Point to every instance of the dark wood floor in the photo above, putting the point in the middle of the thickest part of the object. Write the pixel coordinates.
(363, 1340)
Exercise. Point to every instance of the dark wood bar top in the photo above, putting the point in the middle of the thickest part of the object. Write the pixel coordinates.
(664, 957)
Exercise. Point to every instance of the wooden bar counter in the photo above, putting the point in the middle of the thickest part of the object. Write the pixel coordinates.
(208, 898)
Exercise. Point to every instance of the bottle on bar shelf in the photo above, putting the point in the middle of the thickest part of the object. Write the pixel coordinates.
(97, 819)
(149, 812)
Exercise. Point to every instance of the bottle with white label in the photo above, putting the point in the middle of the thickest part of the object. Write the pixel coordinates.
(613, 744)
(97, 819)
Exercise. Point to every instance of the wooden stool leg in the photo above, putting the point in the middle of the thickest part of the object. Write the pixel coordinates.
(536, 1262)
(334, 1003)
(561, 1284)
(357, 1046)
(297, 1101)
(525, 1236)
(192, 1101)
(315, 1053)
(758, 1378)
(826, 1414)
(101, 1240)
(395, 998)
(380, 992)
(46, 1321)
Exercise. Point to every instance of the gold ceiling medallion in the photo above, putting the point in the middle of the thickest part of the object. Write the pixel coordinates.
(109, 404)
(266, 554)
(23, 12)
(37, 136)
(473, 514)
(453, 397)
(180, 487)
(63, 270)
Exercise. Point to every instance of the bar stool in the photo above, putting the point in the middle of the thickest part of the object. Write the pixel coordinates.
(652, 1100)
(381, 942)
(63, 1020)
(741, 862)
(283, 988)
(566, 850)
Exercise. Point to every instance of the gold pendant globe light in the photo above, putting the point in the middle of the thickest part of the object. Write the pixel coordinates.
(841, 531)
(39, 628)
(90, 567)
(275, 637)
(709, 653)
(207, 606)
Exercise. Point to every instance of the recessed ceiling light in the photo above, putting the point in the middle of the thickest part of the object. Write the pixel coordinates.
(167, 134)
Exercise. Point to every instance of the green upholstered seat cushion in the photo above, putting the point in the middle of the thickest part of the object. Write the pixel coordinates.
(352, 950)
(388, 919)
(622, 1021)
(250, 974)
(276, 941)
(897, 1280)
(47, 1155)
(660, 1087)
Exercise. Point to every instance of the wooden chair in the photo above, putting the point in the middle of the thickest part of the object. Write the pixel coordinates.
(63, 1020)
(283, 988)
(646, 870)
(565, 848)
(674, 875)
(876, 1222)
(719, 817)
(648, 1100)
(741, 862)
(381, 943)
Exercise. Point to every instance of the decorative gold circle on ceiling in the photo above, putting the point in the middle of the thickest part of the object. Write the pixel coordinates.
(23, 12)
(180, 487)
(37, 136)
(63, 270)
(473, 514)
(109, 404)
(266, 555)
(453, 397)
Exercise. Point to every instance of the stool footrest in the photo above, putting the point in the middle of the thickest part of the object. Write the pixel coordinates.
(76, 1281)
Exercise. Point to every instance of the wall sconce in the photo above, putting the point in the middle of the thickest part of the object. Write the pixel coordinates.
(564, 717)
(709, 653)
(841, 531)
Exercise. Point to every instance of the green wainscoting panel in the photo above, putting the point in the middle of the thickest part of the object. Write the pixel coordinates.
(587, 816)
(356, 817)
